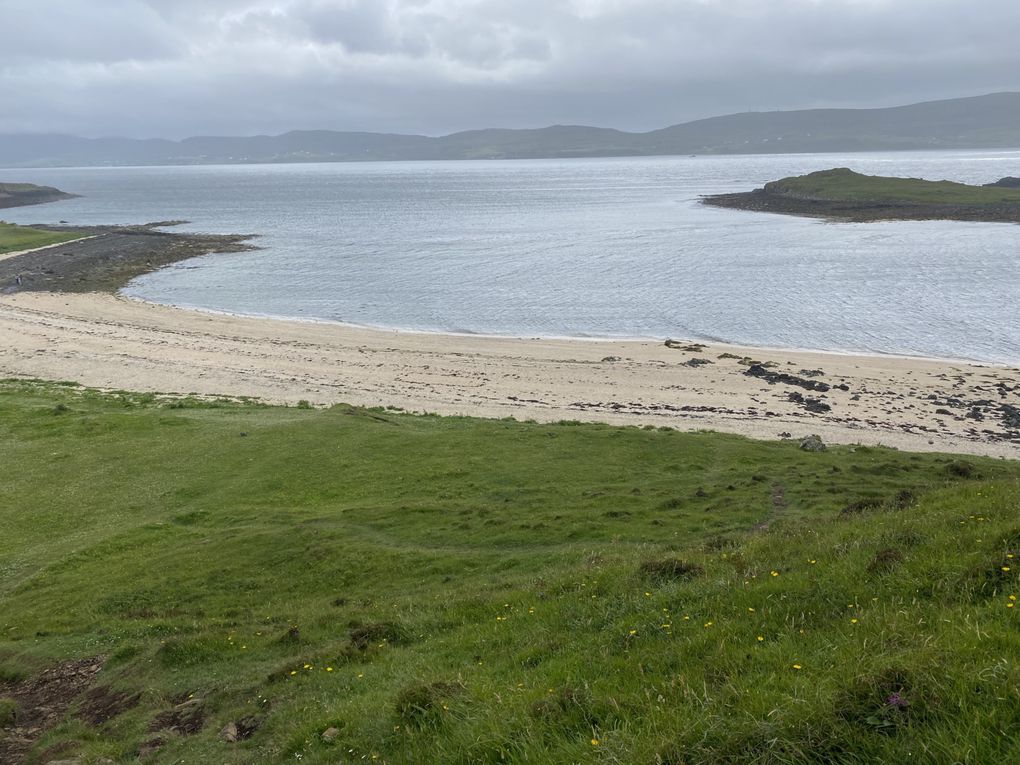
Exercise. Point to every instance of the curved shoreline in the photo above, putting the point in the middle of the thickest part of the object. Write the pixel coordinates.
(110, 342)
(62, 320)
(724, 344)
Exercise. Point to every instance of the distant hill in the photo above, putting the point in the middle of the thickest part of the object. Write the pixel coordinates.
(990, 121)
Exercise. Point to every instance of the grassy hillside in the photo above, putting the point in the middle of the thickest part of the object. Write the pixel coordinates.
(352, 585)
(988, 121)
(844, 185)
(14, 238)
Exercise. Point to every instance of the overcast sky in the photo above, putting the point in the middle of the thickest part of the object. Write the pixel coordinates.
(173, 68)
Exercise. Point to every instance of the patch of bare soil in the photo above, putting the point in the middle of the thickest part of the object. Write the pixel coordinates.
(42, 701)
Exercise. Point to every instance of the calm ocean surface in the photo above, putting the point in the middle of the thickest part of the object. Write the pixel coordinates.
(581, 248)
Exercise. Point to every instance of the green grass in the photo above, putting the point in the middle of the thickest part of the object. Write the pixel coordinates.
(451, 590)
(14, 238)
(844, 185)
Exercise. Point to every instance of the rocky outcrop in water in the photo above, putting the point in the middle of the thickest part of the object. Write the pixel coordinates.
(23, 194)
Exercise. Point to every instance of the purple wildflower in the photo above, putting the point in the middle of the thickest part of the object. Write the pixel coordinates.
(897, 701)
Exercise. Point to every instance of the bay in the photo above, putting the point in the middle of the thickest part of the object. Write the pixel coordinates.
(575, 248)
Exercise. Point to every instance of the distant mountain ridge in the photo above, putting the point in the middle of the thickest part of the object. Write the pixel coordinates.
(979, 122)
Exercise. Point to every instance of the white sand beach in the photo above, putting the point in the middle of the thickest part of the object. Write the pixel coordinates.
(112, 342)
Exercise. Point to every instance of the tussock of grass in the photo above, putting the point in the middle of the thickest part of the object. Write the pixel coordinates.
(451, 590)
(9, 710)
(670, 569)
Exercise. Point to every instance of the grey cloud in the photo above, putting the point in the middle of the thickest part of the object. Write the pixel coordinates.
(43, 31)
(178, 67)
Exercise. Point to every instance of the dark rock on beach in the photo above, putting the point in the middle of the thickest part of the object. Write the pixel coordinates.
(760, 371)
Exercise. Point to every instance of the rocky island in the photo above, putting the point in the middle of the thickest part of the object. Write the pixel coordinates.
(843, 194)
(23, 194)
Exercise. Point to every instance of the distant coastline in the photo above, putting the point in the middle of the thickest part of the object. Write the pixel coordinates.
(993, 122)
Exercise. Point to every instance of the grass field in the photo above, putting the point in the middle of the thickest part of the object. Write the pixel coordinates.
(449, 590)
(843, 185)
(14, 238)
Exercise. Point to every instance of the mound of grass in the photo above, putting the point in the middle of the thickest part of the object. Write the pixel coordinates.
(844, 185)
(384, 587)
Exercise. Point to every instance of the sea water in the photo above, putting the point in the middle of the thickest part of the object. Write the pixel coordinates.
(575, 248)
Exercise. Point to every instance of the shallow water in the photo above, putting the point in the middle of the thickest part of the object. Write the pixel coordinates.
(596, 248)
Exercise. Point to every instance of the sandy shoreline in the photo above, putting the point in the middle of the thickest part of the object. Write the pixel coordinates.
(113, 342)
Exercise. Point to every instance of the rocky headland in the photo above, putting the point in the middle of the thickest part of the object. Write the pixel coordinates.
(107, 257)
(24, 194)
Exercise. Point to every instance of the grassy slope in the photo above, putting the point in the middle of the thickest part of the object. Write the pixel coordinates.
(14, 238)
(843, 185)
(502, 561)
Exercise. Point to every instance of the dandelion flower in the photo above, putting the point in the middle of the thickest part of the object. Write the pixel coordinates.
(1005, 568)
(633, 632)
(750, 609)
(708, 624)
(796, 666)
(774, 573)
(594, 742)
(761, 638)
(329, 669)
(853, 621)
